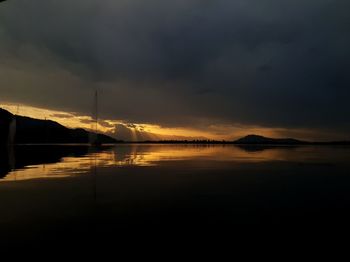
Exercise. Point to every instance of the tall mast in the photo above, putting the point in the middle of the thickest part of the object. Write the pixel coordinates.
(94, 138)
(96, 111)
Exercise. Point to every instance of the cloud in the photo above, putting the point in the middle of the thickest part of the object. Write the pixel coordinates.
(61, 115)
(127, 132)
(190, 63)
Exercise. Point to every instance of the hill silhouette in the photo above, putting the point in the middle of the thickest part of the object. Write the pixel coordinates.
(261, 140)
(5, 120)
(36, 131)
(256, 139)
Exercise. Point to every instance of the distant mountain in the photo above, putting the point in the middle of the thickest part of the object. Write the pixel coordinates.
(256, 139)
(35, 131)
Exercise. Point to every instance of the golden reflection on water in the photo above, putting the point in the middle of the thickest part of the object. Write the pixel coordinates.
(153, 155)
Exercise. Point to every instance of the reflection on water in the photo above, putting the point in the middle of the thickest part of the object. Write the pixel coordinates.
(32, 162)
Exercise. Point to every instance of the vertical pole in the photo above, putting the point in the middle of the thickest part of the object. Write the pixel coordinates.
(96, 111)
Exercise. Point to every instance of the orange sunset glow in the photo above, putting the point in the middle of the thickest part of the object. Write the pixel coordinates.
(134, 127)
(155, 132)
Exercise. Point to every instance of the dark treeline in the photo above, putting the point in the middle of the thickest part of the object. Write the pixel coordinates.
(249, 140)
(224, 142)
(180, 142)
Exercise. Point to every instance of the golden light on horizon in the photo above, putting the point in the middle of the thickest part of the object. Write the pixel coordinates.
(153, 131)
(74, 120)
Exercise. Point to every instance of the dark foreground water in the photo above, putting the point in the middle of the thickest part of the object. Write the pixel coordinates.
(68, 196)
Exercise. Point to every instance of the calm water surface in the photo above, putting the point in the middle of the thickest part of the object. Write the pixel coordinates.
(35, 162)
(67, 193)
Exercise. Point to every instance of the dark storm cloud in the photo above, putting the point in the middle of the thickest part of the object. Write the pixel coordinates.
(181, 63)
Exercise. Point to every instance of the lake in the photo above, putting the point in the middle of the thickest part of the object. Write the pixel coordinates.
(67, 193)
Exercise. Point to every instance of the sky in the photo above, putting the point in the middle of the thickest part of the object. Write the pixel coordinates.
(180, 69)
